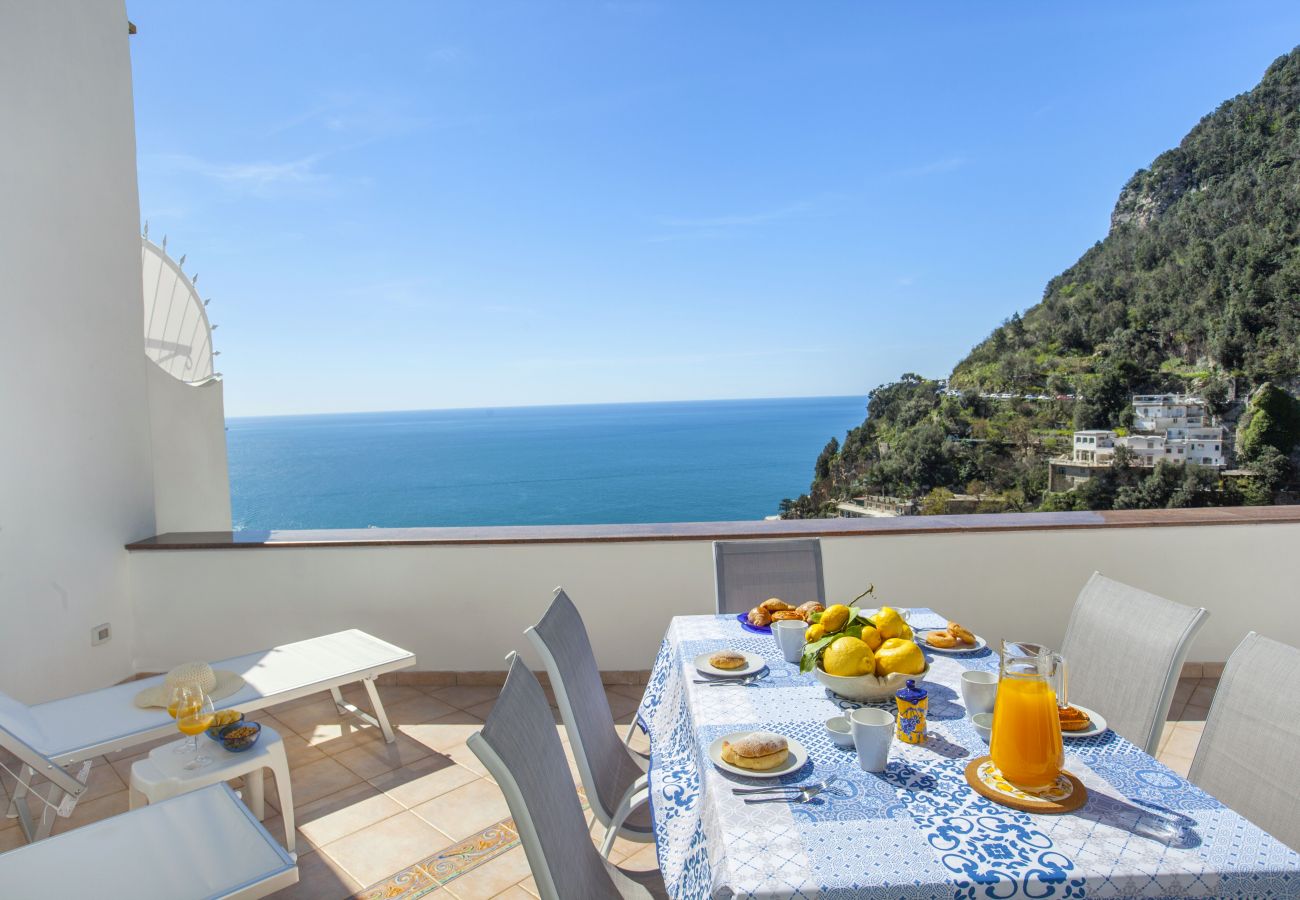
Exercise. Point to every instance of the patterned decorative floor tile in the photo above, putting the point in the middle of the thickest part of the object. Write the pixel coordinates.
(450, 863)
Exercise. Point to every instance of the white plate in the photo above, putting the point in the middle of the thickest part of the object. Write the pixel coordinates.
(793, 763)
(979, 644)
(1096, 724)
(753, 663)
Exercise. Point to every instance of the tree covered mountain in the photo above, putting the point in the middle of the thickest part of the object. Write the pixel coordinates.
(1195, 288)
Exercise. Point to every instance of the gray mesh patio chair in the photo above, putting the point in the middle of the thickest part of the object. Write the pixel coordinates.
(1125, 650)
(1250, 749)
(749, 572)
(519, 746)
(612, 774)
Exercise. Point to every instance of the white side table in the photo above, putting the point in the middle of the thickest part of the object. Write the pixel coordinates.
(162, 774)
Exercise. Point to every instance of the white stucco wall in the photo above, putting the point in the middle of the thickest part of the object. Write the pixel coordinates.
(463, 608)
(190, 475)
(75, 481)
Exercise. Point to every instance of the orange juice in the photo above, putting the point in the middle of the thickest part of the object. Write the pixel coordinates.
(1026, 742)
(195, 722)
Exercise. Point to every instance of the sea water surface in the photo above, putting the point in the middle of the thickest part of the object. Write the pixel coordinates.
(611, 463)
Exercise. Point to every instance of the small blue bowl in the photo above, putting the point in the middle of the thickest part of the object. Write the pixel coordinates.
(215, 731)
(239, 745)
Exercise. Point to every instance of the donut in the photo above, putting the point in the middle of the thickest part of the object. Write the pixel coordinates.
(941, 639)
(961, 633)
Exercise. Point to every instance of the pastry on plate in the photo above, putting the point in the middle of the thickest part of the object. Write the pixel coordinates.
(727, 659)
(944, 640)
(782, 615)
(961, 633)
(758, 750)
(1073, 719)
(807, 609)
(760, 617)
(774, 604)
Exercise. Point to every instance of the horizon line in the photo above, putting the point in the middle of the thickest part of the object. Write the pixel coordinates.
(380, 412)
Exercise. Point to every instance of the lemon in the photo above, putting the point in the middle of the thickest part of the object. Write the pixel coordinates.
(889, 623)
(899, 655)
(871, 637)
(907, 632)
(835, 618)
(814, 633)
(848, 657)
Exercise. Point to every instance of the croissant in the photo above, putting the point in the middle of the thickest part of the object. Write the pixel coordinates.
(760, 617)
(812, 606)
(775, 604)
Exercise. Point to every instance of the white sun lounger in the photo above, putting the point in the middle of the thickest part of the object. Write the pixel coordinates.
(83, 726)
(203, 844)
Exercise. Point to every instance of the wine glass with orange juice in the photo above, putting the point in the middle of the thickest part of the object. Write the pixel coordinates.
(194, 714)
(176, 699)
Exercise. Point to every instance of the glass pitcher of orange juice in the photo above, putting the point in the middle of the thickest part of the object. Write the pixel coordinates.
(1026, 742)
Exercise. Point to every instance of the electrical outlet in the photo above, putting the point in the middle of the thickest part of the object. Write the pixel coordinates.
(100, 634)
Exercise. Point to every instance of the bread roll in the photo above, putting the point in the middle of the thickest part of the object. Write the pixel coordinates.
(727, 659)
(807, 609)
(759, 750)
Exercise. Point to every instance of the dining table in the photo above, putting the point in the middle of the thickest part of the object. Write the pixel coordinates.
(917, 829)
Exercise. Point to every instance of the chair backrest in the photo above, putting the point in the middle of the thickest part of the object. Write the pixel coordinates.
(1249, 752)
(604, 764)
(519, 746)
(1125, 650)
(749, 572)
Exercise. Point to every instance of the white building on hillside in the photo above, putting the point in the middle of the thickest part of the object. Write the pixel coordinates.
(1160, 412)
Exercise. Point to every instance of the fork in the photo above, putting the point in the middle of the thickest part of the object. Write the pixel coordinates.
(820, 785)
(803, 795)
(741, 682)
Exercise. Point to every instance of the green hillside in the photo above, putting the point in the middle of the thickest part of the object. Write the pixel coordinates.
(1196, 288)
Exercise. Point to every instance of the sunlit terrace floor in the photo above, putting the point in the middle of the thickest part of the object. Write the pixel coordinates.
(420, 817)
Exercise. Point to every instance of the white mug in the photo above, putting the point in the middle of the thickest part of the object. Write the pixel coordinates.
(873, 732)
(789, 637)
(979, 691)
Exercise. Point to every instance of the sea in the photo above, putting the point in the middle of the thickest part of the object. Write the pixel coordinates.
(717, 460)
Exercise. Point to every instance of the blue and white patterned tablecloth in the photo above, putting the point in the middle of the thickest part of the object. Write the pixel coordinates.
(918, 830)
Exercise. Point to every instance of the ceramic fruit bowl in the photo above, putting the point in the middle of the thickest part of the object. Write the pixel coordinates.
(867, 688)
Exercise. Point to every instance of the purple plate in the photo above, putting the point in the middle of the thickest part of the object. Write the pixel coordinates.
(743, 619)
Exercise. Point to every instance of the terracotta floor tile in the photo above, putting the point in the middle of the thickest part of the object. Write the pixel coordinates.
(465, 810)
(419, 711)
(303, 719)
(92, 811)
(644, 860)
(423, 780)
(514, 892)
(389, 695)
(375, 757)
(319, 878)
(463, 696)
(11, 838)
(1182, 742)
(462, 755)
(1203, 695)
(447, 731)
(1180, 764)
(621, 706)
(529, 884)
(1193, 713)
(492, 877)
(340, 814)
(320, 779)
(379, 850)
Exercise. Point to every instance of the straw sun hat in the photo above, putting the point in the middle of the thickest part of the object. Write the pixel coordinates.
(215, 683)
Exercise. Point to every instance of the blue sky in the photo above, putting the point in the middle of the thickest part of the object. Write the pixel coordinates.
(429, 205)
